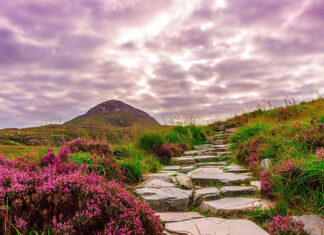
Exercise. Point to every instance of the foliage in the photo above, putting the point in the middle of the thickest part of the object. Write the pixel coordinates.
(282, 225)
(151, 142)
(70, 197)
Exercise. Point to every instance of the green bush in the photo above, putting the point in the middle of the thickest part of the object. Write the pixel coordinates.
(198, 135)
(151, 141)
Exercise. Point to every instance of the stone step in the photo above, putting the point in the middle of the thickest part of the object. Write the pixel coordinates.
(210, 178)
(166, 199)
(205, 193)
(231, 205)
(231, 191)
(171, 168)
(214, 226)
(235, 169)
(178, 216)
(202, 146)
(222, 163)
(186, 160)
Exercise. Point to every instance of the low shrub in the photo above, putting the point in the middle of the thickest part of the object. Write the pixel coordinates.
(198, 135)
(164, 154)
(63, 198)
(281, 225)
(83, 145)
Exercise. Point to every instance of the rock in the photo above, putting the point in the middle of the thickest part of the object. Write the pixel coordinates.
(187, 168)
(265, 164)
(237, 190)
(193, 152)
(215, 178)
(235, 169)
(178, 216)
(202, 146)
(162, 176)
(184, 160)
(214, 226)
(184, 181)
(171, 168)
(222, 163)
(203, 170)
(206, 193)
(256, 183)
(156, 183)
(202, 158)
(166, 199)
(313, 224)
(233, 204)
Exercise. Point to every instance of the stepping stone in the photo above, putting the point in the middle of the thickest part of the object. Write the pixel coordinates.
(162, 176)
(205, 170)
(184, 160)
(237, 190)
(233, 204)
(156, 183)
(194, 152)
(313, 224)
(202, 146)
(178, 216)
(215, 178)
(187, 168)
(235, 169)
(222, 163)
(256, 184)
(206, 193)
(171, 168)
(205, 158)
(214, 226)
(166, 199)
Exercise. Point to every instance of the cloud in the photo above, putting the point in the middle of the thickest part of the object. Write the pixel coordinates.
(208, 58)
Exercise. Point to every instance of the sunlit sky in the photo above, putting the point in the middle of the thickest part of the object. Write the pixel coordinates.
(59, 58)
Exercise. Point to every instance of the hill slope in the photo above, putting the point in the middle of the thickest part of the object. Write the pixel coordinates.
(113, 121)
(115, 113)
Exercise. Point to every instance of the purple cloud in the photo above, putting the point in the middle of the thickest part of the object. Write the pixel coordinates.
(209, 58)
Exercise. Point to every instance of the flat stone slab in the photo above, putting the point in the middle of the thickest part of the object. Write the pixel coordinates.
(313, 224)
(256, 184)
(162, 176)
(178, 216)
(206, 193)
(166, 199)
(184, 160)
(171, 168)
(156, 183)
(202, 146)
(214, 178)
(202, 158)
(233, 204)
(193, 152)
(237, 190)
(206, 170)
(187, 168)
(222, 163)
(235, 169)
(214, 226)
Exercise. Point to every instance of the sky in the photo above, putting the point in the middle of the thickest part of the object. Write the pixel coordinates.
(206, 58)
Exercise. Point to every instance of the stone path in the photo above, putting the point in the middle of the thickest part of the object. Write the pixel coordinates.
(204, 178)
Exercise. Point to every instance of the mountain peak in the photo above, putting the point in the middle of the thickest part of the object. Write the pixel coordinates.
(109, 109)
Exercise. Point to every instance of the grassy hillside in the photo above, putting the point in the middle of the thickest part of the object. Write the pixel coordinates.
(292, 137)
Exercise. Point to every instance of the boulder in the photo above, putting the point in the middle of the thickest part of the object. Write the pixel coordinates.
(313, 224)
(265, 164)
(166, 199)
(184, 181)
(214, 226)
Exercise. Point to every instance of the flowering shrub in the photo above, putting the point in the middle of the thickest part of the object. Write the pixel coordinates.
(83, 145)
(288, 169)
(183, 145)
(285, 225)
(164, 153)
(176, 149)
(66, 199)
(267, 186)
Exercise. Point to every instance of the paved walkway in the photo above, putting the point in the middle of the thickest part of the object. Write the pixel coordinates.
(204, 179)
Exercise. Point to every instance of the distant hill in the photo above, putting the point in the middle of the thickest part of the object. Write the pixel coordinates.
(113, 121)
(114, 113)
